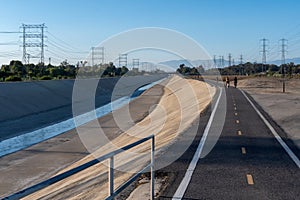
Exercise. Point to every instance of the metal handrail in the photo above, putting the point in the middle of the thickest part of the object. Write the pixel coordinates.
(112, 193)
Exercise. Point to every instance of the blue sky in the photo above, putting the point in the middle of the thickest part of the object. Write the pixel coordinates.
(220, 26)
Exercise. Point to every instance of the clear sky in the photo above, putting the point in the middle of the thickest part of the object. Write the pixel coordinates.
(220, 26)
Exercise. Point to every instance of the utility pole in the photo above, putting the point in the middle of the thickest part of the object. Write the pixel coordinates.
(229, 60)
(49, 60)
(264, 53)
(283, 51)
(33, 37)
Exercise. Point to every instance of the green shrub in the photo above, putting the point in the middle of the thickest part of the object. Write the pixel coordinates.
(13, 78)
(45, 78)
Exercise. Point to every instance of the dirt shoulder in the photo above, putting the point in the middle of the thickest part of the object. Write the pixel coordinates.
(284, 108)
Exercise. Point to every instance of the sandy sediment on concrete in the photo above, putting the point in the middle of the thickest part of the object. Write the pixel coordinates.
(284, 108)
(182, 102)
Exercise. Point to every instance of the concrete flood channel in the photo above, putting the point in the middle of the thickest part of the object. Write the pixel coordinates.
(36, 111)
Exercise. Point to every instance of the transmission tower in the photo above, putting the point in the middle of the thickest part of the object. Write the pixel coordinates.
(97, 55)
(33, 37)
(229, 60)
(135, 63)
(264, 53)
(122, 60)
(215, 61)
(241, 59)
(222, 61)
(143, 66)
(27, 61)
(241, 63)
(283, 52)
(93, 54)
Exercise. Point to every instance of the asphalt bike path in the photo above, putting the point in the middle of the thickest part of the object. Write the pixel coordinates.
(247, 162)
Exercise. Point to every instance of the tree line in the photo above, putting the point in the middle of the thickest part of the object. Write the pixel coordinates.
(17, 71)
(244, 69)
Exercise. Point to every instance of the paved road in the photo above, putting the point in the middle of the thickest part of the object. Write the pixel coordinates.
(246, 163)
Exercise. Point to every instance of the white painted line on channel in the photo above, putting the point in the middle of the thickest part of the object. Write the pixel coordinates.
(188, 175)
(276, 135)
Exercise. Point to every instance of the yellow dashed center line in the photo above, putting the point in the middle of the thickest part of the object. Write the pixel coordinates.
(243, 150)
(250, 179)
(239, 132)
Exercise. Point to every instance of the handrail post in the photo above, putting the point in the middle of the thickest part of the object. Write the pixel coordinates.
(111, 191)
(152, 169)
(111, 177)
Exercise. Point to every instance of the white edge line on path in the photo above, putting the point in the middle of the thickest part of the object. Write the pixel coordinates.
(188, 175)
(276, 135)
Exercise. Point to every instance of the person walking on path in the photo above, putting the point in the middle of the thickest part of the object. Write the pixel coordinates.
(235, 82)
(227, 82)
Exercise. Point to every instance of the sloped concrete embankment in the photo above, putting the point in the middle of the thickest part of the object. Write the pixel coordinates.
(27, 106)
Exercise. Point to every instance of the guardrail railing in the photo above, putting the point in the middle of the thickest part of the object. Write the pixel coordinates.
(111, 192)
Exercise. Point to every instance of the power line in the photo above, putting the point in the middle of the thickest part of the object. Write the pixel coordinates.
(54, 44)
(65, 44)
(9, 43)
(56, 54)
(9, 32)
(64, 48)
